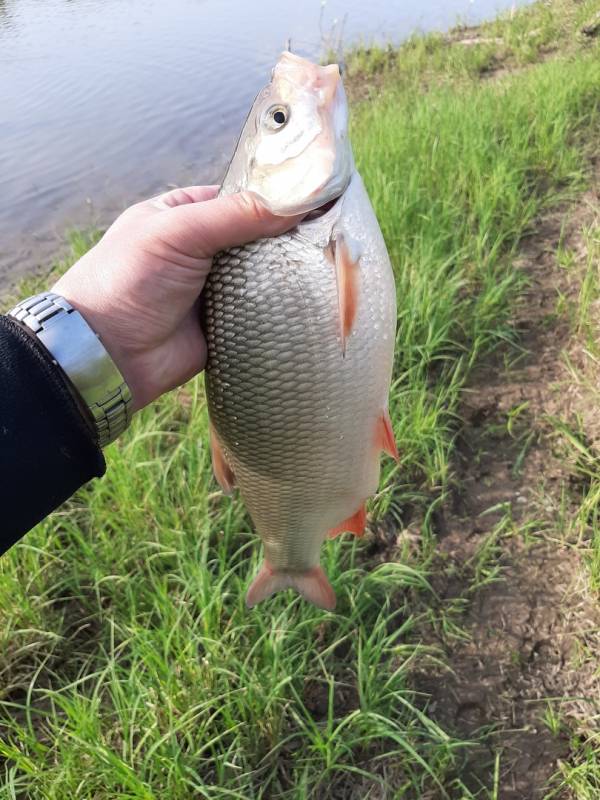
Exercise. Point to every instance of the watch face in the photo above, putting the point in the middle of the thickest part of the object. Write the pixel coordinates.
(91, 375)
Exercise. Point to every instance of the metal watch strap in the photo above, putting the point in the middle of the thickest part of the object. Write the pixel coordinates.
(82, 357)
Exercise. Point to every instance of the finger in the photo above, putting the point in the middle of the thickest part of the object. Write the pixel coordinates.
(183, 196)
(202, 229)
(168, 200)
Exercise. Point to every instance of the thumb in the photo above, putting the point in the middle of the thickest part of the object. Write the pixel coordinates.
(202, 229)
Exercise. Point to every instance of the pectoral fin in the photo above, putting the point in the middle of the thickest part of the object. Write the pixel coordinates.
(311, 584)
(347, 276)
(223, 472)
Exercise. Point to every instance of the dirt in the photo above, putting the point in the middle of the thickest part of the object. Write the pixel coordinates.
(531, 638)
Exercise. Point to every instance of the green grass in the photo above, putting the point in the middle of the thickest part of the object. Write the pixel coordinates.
(129, 665)
(457, 177)
(582, 779)
(513, 41)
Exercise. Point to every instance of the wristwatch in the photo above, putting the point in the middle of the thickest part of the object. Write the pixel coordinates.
(78, 351)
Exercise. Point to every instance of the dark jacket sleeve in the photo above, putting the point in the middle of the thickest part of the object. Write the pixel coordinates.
(47, 448)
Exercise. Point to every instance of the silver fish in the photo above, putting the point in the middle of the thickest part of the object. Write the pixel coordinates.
(300, 332)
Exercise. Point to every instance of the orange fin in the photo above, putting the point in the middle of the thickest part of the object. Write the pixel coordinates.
(223, 472)
(385, 436)
(312, 585)
(347, 274)
(354, 524)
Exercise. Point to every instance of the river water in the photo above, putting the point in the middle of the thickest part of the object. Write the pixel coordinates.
(103, 102)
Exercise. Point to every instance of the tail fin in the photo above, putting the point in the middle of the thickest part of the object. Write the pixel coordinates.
(312, 585)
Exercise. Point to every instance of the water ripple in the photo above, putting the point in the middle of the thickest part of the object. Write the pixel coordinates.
(110, 101)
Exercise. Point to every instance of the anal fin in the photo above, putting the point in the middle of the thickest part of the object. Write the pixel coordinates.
(223, 472)
(385, 436)
(354, 524)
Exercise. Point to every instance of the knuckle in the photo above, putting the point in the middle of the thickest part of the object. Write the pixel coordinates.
(251, 206)
(175, 197)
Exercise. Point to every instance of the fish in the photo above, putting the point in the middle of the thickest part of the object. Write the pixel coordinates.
(300, 331)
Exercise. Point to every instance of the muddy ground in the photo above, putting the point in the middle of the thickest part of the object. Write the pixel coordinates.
(525, 673)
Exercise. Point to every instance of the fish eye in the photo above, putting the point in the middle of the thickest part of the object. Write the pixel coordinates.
(277, 117)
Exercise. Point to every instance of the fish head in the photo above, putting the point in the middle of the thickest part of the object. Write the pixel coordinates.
(294, 151)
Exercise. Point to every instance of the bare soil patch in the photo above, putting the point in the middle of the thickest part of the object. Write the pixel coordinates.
(532, 633)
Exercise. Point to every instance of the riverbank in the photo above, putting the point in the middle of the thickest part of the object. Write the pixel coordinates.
(461, 660)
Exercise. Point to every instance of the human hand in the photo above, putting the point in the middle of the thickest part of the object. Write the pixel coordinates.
(138, 288)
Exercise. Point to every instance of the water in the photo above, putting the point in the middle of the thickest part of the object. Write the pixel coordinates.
(103, 102)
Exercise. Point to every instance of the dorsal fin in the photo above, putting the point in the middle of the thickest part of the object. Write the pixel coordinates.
(223, 472)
